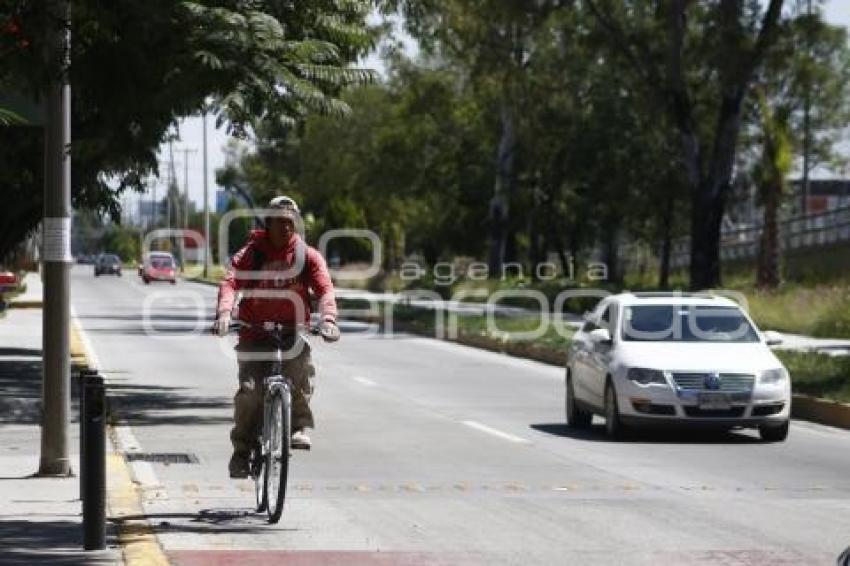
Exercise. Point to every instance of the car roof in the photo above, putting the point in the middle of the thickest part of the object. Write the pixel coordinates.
(673, 298)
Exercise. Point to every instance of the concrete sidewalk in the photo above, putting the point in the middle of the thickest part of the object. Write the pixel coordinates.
(40, 519)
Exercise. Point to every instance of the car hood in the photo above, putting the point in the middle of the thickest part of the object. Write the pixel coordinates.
(747, 357)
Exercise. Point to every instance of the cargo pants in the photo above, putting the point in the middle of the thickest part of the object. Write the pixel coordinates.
(248, 401)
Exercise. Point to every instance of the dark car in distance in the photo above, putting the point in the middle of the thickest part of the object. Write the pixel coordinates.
(107, 264)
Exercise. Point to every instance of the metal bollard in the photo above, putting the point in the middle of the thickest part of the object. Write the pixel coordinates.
(84, 374)
(94, 475)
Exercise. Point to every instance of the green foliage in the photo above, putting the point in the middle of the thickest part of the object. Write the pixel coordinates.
(139, 66)
(819, 375)
(122, 242)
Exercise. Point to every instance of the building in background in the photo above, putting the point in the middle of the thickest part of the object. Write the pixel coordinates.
(825, 195)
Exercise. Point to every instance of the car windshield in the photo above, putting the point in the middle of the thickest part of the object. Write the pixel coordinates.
(111, 259)
(686, 323)
(161, 263)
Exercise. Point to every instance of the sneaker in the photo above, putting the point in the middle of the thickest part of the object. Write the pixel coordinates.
(239, 466)
(300, 440)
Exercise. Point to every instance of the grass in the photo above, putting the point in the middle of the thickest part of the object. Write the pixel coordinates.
(818, 375)
(503, 328)
(215, 275)
(807, 306)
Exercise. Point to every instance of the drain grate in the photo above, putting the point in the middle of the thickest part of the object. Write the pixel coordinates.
(162, 458)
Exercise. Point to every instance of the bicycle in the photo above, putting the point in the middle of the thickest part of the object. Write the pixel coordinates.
(269, 458)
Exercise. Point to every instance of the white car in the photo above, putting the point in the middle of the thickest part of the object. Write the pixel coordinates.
(676, 359)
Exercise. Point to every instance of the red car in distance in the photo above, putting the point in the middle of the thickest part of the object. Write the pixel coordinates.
(159, 266)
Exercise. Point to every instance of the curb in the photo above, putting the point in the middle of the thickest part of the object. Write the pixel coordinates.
(79, 358)
(137, 539)
(821, 411)
(805, 407)
(200, 281)
(28, 304)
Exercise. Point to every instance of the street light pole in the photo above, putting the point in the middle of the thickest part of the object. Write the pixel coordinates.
(206, 203)
(56, 246)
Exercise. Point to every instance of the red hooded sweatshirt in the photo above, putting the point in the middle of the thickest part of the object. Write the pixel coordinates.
(273, 294)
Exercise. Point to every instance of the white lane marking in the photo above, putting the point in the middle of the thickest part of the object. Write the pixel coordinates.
(364, 381)
(142, 472)
(126, 439)
(84, 338)
(497, 433)
(531, 368)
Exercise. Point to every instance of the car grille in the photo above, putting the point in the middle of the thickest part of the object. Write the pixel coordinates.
(729, 382)
(734, 412)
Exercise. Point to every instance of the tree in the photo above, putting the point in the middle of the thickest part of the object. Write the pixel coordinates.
(494, 42)
(668, 54)
(138, 66)
(801, 107)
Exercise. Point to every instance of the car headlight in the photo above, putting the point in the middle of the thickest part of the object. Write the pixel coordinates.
(773, 376)
(646, 376)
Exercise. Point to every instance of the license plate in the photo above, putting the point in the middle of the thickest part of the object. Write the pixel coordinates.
(714, 401)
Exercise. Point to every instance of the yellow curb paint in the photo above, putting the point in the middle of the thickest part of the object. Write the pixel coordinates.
(26, 305)
(79, 356)
(123, 499)
(136, 536)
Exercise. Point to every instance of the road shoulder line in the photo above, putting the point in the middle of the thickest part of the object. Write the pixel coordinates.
(138, 541)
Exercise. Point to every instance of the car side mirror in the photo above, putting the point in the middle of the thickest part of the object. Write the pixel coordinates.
(772, 338)
(601, 336)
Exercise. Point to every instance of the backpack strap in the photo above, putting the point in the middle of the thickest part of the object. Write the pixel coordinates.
(257, 261)
(302, 255)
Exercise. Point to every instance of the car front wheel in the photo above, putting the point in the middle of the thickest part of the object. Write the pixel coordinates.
(576, 416)
(774, 433)
(613, 423)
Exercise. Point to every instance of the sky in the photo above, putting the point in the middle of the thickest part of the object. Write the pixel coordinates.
(836, 12)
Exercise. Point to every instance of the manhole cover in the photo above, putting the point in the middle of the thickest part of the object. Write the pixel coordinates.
(162, 458)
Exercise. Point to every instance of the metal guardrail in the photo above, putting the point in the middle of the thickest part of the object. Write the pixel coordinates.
(799, 232)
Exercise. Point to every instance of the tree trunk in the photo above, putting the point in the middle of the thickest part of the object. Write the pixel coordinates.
(611, 253)
(499, 204)
(709, 196)
(666, 245)
(767, 275)
(706, 218)
(562, 255)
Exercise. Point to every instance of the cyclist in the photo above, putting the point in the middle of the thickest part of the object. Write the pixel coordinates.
(293, 269)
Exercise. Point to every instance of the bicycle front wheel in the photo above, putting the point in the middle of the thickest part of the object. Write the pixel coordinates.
(277, 457)
(259, 471)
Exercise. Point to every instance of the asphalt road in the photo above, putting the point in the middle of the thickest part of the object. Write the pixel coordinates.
(432, 453)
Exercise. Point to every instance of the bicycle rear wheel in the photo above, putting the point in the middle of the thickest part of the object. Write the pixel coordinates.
(277, 457)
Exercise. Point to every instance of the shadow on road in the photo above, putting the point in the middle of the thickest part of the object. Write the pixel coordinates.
(147, 405)
(596, 433)
(206, 521)
(58, 543)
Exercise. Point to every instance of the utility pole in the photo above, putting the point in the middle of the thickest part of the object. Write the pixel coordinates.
(56, 400)
(185, 151)
(206, 203)
(172, 180)
(155, 204)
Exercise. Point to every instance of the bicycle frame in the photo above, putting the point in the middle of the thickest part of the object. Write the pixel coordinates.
(274, 445)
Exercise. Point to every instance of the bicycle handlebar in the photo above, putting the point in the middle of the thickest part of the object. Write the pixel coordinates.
(274, 327)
